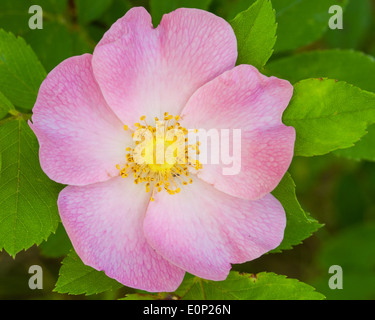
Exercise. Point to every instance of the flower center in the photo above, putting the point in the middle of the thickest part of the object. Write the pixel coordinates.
(162, 155)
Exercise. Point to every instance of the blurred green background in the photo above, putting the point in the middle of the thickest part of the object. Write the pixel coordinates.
(340, 193)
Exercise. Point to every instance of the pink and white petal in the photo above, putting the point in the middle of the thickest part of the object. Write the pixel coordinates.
(248, 101)
(81, 139)
(104, 221)
(153, 71)
(203, 230)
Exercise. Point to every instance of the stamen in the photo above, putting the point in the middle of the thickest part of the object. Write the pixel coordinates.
(170, 177)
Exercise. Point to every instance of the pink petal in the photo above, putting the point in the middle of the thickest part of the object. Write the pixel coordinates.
(244, 99)
(203, 230)
(147, 71)
(81, 140)
(104, 222)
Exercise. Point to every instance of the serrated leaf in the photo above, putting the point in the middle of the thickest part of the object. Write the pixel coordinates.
(301, 22)
(328, 115)
(28, 209)
(263, 286)
(300, 225)
(57, 245)
(21, 73)
(161, 7)
(364, 149)
(5, 106)
(76, 278)
(350, 66)
(255, 30)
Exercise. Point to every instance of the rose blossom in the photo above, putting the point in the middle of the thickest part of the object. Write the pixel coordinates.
(146, 225)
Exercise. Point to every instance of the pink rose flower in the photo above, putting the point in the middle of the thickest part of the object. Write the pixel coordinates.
(201, 223)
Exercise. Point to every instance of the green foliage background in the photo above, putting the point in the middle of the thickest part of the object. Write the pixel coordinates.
(333, 171)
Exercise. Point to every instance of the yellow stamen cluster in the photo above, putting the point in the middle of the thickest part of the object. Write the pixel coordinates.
(159, 175)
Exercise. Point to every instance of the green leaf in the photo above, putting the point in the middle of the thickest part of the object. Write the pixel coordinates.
(328, 115)
(21, 73)
(350, 66)
(28, 199)
(300, 225)
(57, 245)
(301, 22)
(5, 106)
(161, 7)
(334, 64)
(76, 278)
(364, 149)
(238, 286)
(255, 30)
(90, 10)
